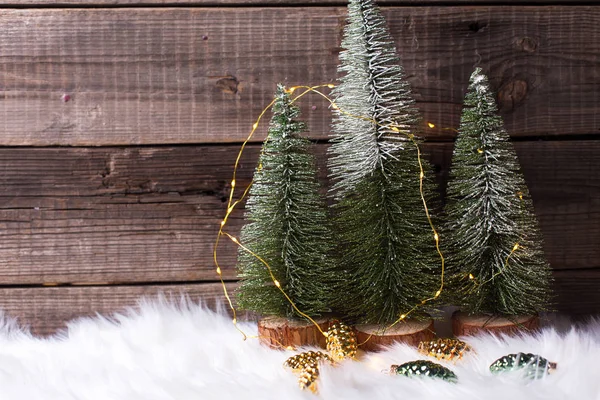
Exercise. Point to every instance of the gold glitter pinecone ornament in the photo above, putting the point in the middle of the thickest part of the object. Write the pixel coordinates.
(341, 341)
(445, 349)
(307, 364)
(299, 361)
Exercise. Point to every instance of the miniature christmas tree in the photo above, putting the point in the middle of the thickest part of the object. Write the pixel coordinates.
(387, 245)
(496, 257)
(287, 224)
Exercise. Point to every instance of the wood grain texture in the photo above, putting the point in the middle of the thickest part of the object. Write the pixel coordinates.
(278, 332)
(465, 325)
(46, 310)
(155, 3)
(113, 215)
(410, 332)
(192, 75)
(577, 292)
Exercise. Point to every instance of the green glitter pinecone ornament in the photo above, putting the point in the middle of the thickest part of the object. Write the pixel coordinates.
(341, 341)
(424, 368)
(533, 365)
(444, 349)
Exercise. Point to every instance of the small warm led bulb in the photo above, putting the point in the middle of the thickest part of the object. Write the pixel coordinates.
(334, 106)
(471, 277)
(429, 124)
(233, 239)
(255, 125)
(219, 270)
(233, 183)
(395, 129)
(436, 237)
(421, 175)
(234, 321)
(516, 246)
(402, 316)
(331, 86)
(223, 223)
(437, 294)
(480, 151)
(277, 283)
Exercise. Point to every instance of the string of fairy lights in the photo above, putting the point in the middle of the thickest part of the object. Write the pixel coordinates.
(231, 206)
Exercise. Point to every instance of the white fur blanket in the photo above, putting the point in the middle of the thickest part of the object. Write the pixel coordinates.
(179, 352)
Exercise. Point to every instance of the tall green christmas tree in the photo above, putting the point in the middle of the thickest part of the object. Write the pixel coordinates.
(496, 259)
(387, 246)
(287, 224)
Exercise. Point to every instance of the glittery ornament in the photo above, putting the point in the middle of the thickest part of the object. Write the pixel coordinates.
(341, 341)
(300, 361)
(444, 349)
(307, 364)
(308, 377)
(533, 365)
(423, 368)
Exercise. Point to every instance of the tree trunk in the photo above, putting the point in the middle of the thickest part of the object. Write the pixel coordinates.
(463, 324)
(412, 332)
(278, 332)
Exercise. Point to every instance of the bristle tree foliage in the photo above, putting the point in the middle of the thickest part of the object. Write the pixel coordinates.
(287, 224)
(387, 247)
(497, 263)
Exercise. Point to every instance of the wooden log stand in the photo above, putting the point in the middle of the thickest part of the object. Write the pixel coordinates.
(412, 332)
(464, 324)
(277, 332)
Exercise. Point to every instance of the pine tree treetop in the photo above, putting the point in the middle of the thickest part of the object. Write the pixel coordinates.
(374, 89)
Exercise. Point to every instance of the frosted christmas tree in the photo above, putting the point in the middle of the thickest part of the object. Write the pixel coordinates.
(286, 226)
(496, 256)
(387, 246)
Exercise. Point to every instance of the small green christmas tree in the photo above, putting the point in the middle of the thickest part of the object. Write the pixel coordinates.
(387, 245)
(496, 259)
(287, 224)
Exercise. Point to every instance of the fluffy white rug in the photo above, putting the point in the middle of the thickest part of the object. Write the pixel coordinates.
(187, 352)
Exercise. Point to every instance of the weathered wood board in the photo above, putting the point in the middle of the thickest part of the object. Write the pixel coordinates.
(114, 215)
(577, 292)
(46, 310)
(191, 75)
(158, 3)
(171, 89)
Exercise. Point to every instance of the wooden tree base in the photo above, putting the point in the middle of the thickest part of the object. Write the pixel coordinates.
(463, 324)
(277, 332)
(411, 332)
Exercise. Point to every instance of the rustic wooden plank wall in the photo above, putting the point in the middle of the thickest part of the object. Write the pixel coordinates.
(120, 121)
